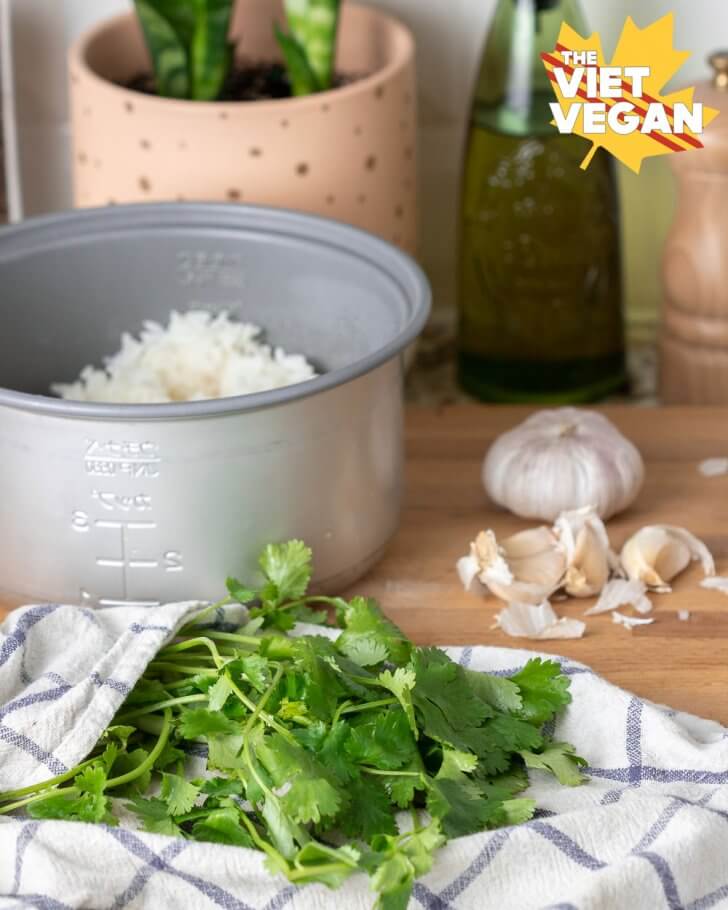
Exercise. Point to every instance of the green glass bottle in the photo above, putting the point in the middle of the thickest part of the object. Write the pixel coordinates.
(540, 265)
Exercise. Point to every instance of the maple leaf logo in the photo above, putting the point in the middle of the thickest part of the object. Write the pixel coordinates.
(650, 47)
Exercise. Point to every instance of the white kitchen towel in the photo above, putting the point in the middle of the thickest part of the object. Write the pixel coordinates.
(649, 829)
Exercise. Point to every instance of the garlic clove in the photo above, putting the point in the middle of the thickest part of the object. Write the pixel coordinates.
(630, 622)
(468, 570)
(658, 553)
(584, 540)
(620, 592)
(527, 567)
(521, 620)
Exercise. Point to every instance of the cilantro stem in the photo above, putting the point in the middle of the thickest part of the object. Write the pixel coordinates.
(312, 599)
(47, 794)
(277, 858)
(304, 872)
(46, 784)
(233, 636)
(382, 702)
(169, 703)
(206, 612)
(179, 668)
(252, 720)
(377, 771)
(202, 641)
(148, 762)
(266, 718)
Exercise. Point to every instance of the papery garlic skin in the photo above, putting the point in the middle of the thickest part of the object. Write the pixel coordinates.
(527, 567)
(584, 539)
(622, 592)
(561, 460)
(538, 622)
(658, 553)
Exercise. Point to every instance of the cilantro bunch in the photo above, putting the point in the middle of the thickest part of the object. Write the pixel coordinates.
(360, 754)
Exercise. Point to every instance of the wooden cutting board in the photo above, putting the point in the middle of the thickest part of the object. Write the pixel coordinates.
(684, 664)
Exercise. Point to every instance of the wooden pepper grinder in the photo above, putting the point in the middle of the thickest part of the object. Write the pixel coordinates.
(694, 335)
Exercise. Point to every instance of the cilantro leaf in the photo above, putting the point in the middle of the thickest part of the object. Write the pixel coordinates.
(146, 691)
(329, 746)
(544, 690)
(222, 826)
(220, 787)
(515, 811)
(560, 759)
(287, 567)
(498, 692)
(450, 711)
(196, 722)
(400, 684)
(402, 789)
(321, 686)
(456, 799)
(365, 650)
(130, 761)
(170, 755)
(395, 862)
(118, 733)
(240, 592)
(384, 742)
(311, 795)
(256, 670)
(223, 751)
(364, 622)
(154, 815)
(329, 865)
(219, 693)
(179, 794)
(369, 811)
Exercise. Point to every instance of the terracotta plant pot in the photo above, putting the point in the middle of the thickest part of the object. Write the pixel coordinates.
(347, 154)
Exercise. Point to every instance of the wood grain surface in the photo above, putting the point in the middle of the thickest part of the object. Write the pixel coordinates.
(684, 664)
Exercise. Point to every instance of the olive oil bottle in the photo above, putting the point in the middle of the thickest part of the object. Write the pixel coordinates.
(540, 270)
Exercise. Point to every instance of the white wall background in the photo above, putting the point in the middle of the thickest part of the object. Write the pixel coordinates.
(450, 35)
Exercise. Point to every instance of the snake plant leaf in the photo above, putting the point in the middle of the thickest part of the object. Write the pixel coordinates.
(323, 25)
(302, 78)
(167, 27)
(313, 26)
(210, 52)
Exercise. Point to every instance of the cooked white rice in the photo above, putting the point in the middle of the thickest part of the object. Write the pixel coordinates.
(197, 356)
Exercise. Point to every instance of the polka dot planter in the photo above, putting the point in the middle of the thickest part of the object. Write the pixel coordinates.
(347, 154)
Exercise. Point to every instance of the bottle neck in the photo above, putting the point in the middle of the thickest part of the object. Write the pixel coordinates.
(513, 91)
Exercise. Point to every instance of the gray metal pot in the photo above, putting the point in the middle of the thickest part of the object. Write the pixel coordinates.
(115, 504)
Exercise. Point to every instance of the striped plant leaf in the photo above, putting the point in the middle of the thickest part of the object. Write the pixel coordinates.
(165, 38)
(188, 43)
(302, 78)
(313, 27)
(210, 53)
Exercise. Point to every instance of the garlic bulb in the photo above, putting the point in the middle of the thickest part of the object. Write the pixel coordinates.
(657, 553)
(527, 567)
(560, 460)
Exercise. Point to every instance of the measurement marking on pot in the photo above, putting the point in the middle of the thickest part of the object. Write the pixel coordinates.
(88, 598)
(123, 460)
